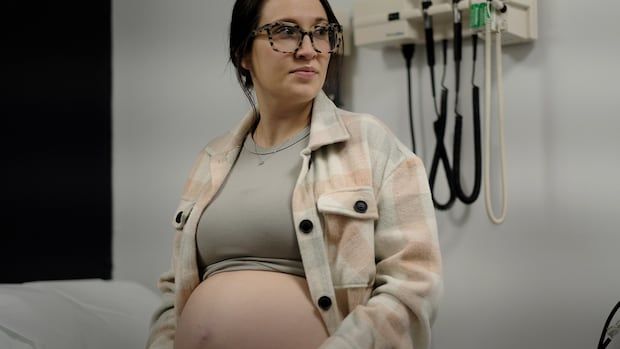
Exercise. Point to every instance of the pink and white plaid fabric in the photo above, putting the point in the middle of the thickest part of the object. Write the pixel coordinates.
(373, 249)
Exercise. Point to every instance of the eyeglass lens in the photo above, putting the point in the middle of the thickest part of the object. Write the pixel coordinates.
(287, 38)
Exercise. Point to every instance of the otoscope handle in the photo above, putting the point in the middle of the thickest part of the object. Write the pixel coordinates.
(458, 30)
(428, 31)
(430, 47)
(458, 40)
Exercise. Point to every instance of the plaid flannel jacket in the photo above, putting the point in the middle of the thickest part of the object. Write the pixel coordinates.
(365, 225)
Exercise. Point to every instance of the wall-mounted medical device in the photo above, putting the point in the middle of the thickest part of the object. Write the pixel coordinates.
(408, 23)
(377, 24)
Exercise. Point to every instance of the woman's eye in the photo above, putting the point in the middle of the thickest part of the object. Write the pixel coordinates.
(320, 31)
(285, 30)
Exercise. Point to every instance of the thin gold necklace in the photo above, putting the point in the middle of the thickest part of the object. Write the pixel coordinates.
(260, 159)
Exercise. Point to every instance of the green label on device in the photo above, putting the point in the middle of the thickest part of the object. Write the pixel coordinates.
(478, 15)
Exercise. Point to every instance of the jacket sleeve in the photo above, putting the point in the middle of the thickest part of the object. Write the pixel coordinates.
(408, 285)
(164, 320)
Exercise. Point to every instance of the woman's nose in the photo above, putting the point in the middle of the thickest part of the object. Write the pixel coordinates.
(306, 49)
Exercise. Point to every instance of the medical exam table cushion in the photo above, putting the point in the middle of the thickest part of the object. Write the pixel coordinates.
(75, 314)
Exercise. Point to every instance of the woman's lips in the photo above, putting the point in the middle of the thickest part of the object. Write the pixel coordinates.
(305, 74)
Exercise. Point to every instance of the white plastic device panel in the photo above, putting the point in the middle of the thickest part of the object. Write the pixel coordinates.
(380, 23)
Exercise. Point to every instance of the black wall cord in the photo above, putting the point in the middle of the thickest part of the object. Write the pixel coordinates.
(441, 154)
(458, 125)
(408, 51)
(601, 344)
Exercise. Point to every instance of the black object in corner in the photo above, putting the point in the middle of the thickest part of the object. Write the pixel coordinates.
(56, 141)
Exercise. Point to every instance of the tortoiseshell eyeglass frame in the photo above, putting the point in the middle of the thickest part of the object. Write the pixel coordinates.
(269, 26)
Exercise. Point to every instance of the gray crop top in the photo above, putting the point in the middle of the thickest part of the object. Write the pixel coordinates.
(249, 223)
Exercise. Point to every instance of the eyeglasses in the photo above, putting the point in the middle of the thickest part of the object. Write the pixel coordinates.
(287, 37)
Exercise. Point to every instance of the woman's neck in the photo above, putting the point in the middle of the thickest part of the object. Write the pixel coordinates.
(280, 122)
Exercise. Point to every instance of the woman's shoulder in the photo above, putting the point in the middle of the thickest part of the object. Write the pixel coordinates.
(372, 130)
(365, 122)
(216, 143)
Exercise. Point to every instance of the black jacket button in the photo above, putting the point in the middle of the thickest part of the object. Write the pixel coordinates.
(306, 226)
(179, 215)
(325, 302)
(360, 206)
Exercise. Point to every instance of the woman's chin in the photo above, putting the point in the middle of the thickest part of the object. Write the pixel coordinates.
(304, 92)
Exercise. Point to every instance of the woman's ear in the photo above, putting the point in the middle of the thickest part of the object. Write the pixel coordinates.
(246, 63)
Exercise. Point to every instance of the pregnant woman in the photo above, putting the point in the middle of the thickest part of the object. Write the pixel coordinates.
(306, 226)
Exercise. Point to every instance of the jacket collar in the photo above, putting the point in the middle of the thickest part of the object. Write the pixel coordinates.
(326, 127)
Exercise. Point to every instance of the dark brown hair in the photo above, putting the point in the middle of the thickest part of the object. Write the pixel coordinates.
(245, 18)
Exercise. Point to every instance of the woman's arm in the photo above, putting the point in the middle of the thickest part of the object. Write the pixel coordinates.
(403, 304)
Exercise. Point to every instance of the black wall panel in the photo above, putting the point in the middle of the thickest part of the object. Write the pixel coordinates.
(55, 142)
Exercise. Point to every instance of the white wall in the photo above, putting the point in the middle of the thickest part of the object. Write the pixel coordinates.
(546, 278)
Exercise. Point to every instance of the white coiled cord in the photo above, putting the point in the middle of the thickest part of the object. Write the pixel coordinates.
(487, 112)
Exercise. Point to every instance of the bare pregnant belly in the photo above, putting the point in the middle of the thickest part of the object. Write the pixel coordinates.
(250, 309)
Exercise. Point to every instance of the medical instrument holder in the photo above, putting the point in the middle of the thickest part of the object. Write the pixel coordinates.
(377, 24)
